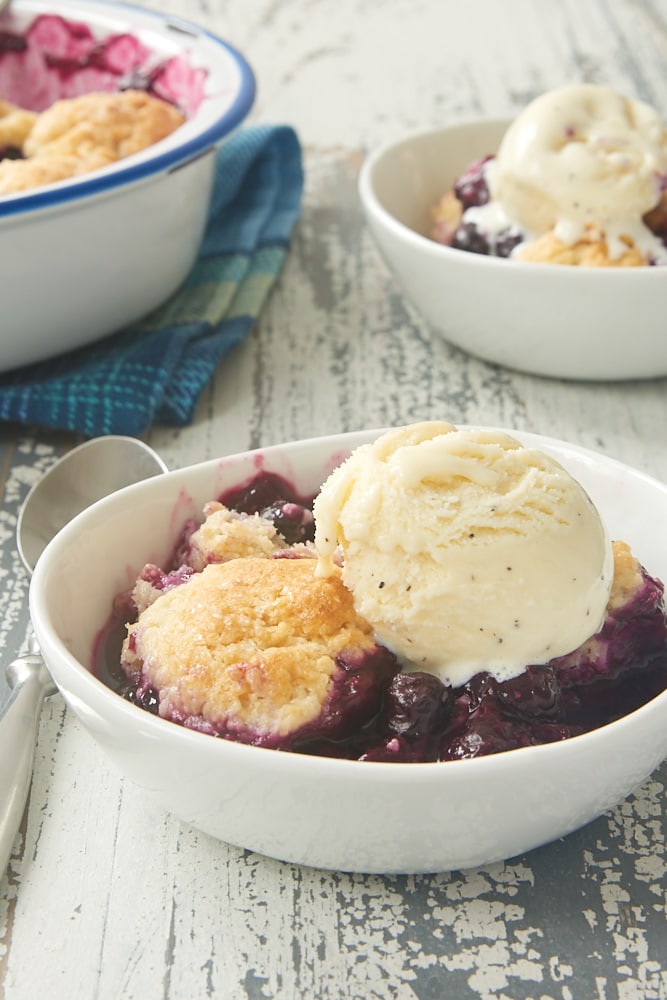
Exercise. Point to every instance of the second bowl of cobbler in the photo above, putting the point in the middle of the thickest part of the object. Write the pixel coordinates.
(519, 282)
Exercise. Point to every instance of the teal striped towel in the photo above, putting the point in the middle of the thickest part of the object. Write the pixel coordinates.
(155, 370)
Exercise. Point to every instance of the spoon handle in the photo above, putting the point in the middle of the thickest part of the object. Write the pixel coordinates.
(30, 683)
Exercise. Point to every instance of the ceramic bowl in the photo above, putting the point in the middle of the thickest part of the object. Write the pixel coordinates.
(559, 321)
(338, 814)
(82, 258)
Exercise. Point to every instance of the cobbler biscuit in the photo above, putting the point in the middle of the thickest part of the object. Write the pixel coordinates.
(627, 576)
(15, 125)
(153, 582)
(248, 645)
(590, 251)
(119, 123)
(227, 534)
(626, 584)
(447, 216)
(24, 175)
(79, 135)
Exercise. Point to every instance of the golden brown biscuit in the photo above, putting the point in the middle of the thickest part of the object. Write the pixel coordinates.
(447, 216)
(250, 644)
(627, 576)
(119, 123)
(23, 175)
(590, 251)
(227, 534)
(79, 135)
(15, 125)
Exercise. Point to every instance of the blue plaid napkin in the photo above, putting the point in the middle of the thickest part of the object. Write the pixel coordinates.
(154, 371)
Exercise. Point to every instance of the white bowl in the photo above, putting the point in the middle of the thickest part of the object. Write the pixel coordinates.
(341, 814)
(560, 321)
(82, 258)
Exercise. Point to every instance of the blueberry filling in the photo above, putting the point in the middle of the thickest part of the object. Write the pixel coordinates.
(471, 188)
(11, 153)
(58, 58)
(11, 42)
(56, 30)
(275, 499)
(471, 191)
(374, 712)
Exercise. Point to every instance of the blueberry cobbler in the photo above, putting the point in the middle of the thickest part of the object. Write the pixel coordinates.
(580, 178)
(242, 637)
(239, 639)
(73, 103)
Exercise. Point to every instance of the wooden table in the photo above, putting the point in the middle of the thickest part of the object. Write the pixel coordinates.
(107, 896)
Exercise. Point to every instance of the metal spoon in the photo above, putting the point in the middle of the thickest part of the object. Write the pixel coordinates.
(86, 474)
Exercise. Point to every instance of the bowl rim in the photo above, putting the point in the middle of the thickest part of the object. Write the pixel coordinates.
(125, 173)
(374, 207)
(92, 691)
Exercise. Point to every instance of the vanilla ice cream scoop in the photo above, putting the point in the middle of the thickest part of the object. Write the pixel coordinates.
(582, 155)
(464, 550)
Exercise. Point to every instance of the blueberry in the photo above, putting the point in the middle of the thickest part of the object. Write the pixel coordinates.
(148, 699)
(468, 237)
(264, 490)
(471, 188)
(417, 705)
(399, 750)
(481, 687)
(11, 153)
(534, 693)
(480, 737)
(506, 241)
(294, 522)
(488, 732)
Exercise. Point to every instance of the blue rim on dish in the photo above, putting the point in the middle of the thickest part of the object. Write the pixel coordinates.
(190, 150)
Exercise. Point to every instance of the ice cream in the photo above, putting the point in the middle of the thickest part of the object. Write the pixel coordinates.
(465, 551)
(581, 167)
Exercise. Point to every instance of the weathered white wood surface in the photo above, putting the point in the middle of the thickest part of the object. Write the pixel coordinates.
(108, 897)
